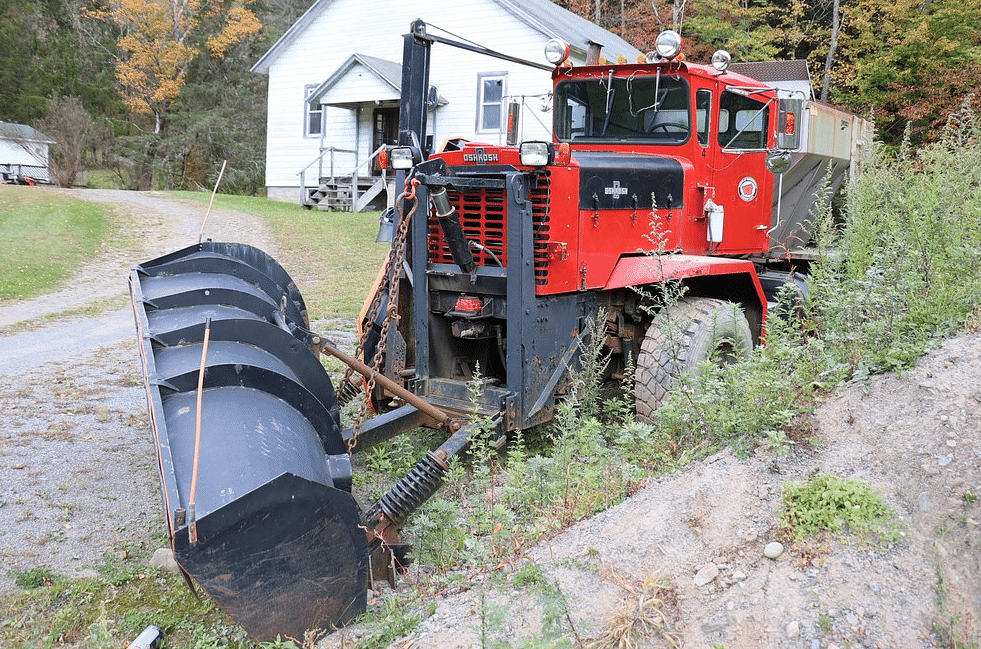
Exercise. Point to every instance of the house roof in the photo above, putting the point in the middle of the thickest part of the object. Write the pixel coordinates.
(767, 71)
(22, 133)
(389, 73)
(551, 20)
(555, 21)
(789, 75)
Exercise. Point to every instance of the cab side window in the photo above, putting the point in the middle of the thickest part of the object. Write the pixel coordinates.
(742, 122)
(703, 113)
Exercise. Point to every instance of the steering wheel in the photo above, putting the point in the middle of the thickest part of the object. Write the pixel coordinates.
(683, 128)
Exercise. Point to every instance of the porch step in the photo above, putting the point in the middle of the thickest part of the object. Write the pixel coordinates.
(337, 194)
(330, 197)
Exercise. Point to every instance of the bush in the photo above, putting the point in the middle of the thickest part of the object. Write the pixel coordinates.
(908, 249)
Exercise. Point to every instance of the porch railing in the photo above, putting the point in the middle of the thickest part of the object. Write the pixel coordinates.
(14, 170)
(358, 199)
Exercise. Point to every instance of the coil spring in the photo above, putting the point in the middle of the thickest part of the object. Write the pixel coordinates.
(347, 391)
(413, 490)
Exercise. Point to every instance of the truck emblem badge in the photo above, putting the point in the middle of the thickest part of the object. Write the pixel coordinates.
(747, 189)
(616, 191)
(480, 156)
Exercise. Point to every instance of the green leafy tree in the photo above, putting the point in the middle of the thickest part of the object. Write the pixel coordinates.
(47, 48)
(746, 29)
(912, 61)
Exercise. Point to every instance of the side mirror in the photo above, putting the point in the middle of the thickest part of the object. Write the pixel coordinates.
(386, 226)
(778, 161)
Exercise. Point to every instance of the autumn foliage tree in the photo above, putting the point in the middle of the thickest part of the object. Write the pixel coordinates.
(160, 39)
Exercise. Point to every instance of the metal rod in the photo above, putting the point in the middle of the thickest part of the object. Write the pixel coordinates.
(212, 202)
(193, 527)
(436, 414)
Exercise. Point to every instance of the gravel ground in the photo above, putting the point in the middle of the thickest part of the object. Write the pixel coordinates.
(915, 437)
(78, 479)
(77, 464)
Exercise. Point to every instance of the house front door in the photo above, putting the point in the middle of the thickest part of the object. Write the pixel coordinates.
(385, 131)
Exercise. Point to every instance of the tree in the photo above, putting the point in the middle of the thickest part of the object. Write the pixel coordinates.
(832, 48)
(45, 49)
(912, 61)
(747, 29)
(220, 116)
(75, 133)
(160, 39)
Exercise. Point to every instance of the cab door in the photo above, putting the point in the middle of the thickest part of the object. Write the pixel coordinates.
(703, 173)
(743, 188)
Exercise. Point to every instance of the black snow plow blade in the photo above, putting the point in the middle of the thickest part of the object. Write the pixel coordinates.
(255, 474)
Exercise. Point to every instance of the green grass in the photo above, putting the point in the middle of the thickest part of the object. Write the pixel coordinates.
(45, 236)
(827, 503)
(111, 609)
(332, 256)
(102, 179)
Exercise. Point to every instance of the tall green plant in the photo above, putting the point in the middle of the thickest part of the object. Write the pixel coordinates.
(908, 250)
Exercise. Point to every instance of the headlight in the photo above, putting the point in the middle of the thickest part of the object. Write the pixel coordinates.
(668, 44)
(535, 154)
(720, 60)
(556, 51)
(400, 157)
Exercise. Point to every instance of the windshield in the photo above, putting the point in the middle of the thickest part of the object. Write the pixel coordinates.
(651, 108)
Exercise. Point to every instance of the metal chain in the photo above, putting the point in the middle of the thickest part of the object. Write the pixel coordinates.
(389, 284)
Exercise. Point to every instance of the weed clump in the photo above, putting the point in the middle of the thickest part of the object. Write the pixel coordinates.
(827, 503)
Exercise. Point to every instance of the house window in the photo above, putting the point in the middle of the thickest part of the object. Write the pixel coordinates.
(314, 122)
(491, 90)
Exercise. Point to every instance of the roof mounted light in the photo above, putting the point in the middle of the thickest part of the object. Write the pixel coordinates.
(668, 44)
(720, 60)
(557, 51)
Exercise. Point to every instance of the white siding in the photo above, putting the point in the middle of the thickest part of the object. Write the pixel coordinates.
(375, 28)
(361, 85)
(23, 153)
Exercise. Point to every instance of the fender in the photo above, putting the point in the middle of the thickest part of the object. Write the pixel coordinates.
(639, 270)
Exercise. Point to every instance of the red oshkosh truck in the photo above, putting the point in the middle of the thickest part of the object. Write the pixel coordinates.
(659, 173)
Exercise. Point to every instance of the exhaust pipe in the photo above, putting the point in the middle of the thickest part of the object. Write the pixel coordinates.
(449, 221)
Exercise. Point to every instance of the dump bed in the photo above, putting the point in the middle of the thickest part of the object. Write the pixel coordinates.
(831, 146)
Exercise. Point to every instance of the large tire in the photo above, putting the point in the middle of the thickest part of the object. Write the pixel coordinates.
(681, 337)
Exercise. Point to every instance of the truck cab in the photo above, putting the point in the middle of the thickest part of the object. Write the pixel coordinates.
(658, 171)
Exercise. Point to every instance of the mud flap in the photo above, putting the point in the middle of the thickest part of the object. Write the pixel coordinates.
(257, 498)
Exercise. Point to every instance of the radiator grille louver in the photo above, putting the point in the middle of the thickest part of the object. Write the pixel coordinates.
(483, 215)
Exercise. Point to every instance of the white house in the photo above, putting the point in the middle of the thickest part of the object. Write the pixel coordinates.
(346, 56)
(23, 152)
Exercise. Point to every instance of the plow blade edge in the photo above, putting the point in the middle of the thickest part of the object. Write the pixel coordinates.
(256, 481)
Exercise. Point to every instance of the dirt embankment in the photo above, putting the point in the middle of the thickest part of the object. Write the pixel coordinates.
(78, 478)
(915, 438)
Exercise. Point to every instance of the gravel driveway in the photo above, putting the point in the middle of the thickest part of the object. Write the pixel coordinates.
(77, 463)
